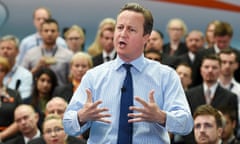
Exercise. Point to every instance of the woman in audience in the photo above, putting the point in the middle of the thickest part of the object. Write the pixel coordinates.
(95, 48)
(80, 63)
(75, 38)
(9, 100)
(45, 81)
(209, 33)
(53, 132)
(176, 29)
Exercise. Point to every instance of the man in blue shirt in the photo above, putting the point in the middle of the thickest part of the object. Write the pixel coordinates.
(33, 40)
(159, 103)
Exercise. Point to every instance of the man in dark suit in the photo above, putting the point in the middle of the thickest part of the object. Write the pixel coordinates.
(195, 42)
(26, 119)
(210, 92)
(108, 53)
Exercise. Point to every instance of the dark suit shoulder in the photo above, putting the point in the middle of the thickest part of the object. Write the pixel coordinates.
(74, 140)
(39, 140)
(16, 140)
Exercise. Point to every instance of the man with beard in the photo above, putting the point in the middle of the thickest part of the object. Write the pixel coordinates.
(207, 125)
(49, 54)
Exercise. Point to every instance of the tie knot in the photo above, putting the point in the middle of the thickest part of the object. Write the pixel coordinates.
(127, 66)
(108, 58)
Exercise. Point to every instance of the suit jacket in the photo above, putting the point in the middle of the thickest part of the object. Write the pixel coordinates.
(65, 91)
(98, 59)
(182, 48)
(222, 98)
(70, 140)
(19, 139)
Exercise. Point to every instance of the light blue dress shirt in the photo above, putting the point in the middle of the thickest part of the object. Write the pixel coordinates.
(105, 82)
(25, 77)
(32, 41)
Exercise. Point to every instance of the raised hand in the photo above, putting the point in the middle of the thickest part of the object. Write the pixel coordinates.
(149, 112)
(91, 111)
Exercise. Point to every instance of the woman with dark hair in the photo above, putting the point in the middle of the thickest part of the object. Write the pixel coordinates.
(44, 82)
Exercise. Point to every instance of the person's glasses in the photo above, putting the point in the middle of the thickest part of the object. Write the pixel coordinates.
(73, 38)
(56, 130)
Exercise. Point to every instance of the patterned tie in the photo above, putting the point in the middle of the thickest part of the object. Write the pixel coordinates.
(125, 129)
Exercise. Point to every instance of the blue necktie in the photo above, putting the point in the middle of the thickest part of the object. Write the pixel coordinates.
(125, 129)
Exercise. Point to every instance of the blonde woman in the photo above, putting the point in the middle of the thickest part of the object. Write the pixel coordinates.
(75, 38)
(176, 29)
(81, 62)
(96, 48)
(53, 132)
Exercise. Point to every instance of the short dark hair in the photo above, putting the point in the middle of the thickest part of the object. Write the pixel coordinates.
(49, 21)
(148, 18)
(223, 28)
(209, 110)
(229, 51)
(211, 57)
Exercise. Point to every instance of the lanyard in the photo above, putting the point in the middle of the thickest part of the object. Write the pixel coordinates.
(53, 51)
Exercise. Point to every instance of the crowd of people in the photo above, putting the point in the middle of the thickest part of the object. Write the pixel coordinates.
(130, 86)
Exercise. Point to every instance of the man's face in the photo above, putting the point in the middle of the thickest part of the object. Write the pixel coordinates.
(56, 107)
(175, 31)
(222, 42)
(155, 41)
(194, 41)
(106, 40)
(185, 74)
(229, 127)
(8, 50)
(39, 17)
(206, 130)
(210, 70)
(129, 40)
(49, 33)
(228, 64)
(26, 120)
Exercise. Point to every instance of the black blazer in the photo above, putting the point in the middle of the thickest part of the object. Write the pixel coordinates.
(182, 48)
(65, 91)
(98, 59)
(19, 139)
(70, 140)
(222, 98)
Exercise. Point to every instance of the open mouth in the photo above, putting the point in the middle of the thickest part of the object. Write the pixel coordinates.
(122, 44)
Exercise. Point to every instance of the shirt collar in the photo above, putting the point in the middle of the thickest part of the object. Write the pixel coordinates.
(139, 63)
(27, 139)
(111, 54)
